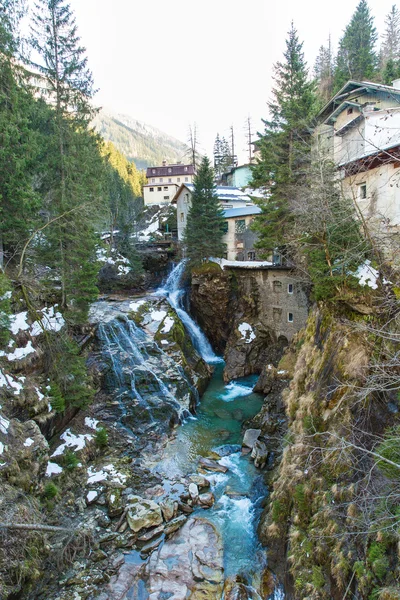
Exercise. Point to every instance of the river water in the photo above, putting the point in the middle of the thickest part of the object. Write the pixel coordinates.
(215, 431)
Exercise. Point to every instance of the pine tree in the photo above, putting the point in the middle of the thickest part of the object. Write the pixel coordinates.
(222, 156)
(74, 165)
(323, 71)
(204, 229)
(284, 144)
(356, 58)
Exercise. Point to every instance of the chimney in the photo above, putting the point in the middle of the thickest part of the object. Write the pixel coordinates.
(396, 84)
(164, 163)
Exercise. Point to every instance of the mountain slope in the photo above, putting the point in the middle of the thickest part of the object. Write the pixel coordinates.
(143, 144)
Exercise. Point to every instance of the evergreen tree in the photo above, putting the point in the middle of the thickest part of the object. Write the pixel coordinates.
(390, 49)
(222, 156)
(323, 71)
(204, 229)
(284, 144)
(356, 58)
(74, 164)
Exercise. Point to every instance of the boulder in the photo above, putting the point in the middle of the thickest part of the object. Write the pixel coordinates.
(175, 524)
(169, 509)
(200, 481)
(206, 500)
(260, 454)
(142, 513)
(190, 564)
(193, 491)
(250, 437)
(212, 465)
(115, 505)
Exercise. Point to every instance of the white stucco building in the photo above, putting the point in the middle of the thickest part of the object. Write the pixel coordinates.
(360, 129)
(163, 182)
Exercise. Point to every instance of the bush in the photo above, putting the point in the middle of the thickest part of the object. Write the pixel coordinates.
(50, 490)
(101, 437)
(70, 460)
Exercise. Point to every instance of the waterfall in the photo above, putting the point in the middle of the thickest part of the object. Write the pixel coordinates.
(138, 372)
(174, 294)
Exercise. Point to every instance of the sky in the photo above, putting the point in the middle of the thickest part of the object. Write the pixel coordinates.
(178, 62)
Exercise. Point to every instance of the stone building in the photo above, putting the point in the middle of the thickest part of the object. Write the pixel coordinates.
(239, 238)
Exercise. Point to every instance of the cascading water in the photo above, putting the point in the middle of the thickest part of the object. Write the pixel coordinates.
(175, 294)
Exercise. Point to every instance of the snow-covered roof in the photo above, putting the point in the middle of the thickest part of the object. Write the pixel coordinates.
(242, 211)
(225, 193)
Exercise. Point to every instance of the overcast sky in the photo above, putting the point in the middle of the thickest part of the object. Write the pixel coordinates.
(170, 63)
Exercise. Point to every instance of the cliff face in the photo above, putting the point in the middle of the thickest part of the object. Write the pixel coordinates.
(250, 315)
(331, 525)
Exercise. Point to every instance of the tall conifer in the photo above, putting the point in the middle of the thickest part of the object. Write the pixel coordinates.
(284, 143)
(357, 58)
(204, 229)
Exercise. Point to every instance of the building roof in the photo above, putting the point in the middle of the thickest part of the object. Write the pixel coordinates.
(242, 212)
(355, 86)
(225, 193)
(167, 170)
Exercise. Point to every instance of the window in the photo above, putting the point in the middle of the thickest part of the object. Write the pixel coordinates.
(154, 171)
(290, 288)
(290, 317)
(165, 188)
(166, 197)
(178, 179)
(186, 178)
(186, 198)
(169, 180)
(182, 217)
(158, 189)
(161, 179)
(240, 225)
(225, 226)
(350, 111)
(185, 168)
(169, 170)
(362, 191)
(277, 286)
(152, 189)
(251, 256)
(153, 181)
(276, 259)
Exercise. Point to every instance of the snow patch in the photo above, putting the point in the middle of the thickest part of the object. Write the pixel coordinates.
(6, 296)
(243, 264)
(168, 325)
(247, 332)
(92, 423)
(18, 322)
(53, 469)
(1, 448)
(367, 275)
(164, 342)
(109, 471)
(28, 442)
(50, 321)
(92, 495)
(72, 441)
(4, 425)
(134, 306)
(157, 315)
(19, 353)
(8, 381)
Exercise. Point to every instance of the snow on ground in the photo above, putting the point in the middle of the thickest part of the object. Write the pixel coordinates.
(92, 423)
(72, 441)
(28, 442)
(18, 322)
(108, 472)
(243, 264)
(168, 325)
(6, 296)
(247, 332)
(8, 381)
(53, 469)
(92, 495)
(4, 425)
(367, 275)
(134, 306)
(157, 315)
(19, 353)
(1, 448)
(152, 228)
(50, 321)
(164, 342)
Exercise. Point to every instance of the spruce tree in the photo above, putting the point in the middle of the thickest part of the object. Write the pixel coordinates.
(284, 146)
(357, 58)
(74, 164)
(390, 49)
(204, 229)
(323, 71)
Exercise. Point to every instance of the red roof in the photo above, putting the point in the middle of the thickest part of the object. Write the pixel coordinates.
(169, 170)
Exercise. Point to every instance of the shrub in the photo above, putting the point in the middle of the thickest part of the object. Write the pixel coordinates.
(70, 460)
(101, 437)
(50, 490)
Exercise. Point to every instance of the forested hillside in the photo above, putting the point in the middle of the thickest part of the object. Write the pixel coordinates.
(140, 143)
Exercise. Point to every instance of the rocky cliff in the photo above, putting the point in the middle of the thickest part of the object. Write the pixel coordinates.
(332, 420)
